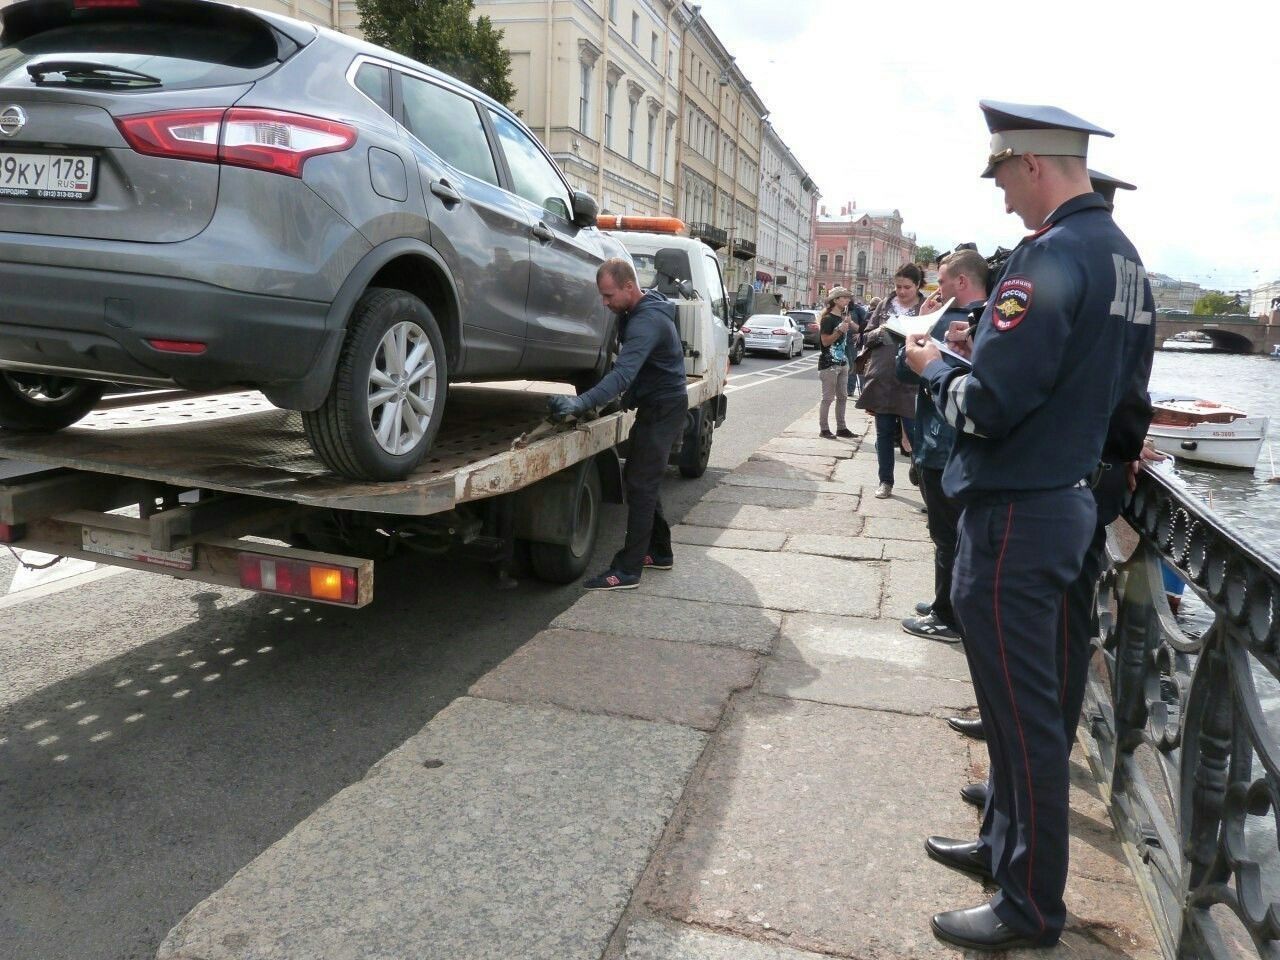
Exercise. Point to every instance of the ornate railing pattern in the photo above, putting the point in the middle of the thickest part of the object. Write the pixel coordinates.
(1186, 730)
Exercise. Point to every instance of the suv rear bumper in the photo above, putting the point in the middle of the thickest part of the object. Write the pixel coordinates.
(96, 324)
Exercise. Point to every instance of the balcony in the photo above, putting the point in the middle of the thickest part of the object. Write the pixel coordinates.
(744, 249)
(713, 237)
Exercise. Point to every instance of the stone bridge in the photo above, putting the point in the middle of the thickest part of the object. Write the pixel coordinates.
(1230, 334)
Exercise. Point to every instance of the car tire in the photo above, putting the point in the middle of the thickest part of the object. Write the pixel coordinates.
(696, 452)
(44, 403)
(737, 353)
(350, 432)
(567, 562)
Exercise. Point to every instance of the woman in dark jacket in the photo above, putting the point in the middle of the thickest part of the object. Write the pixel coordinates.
(890, 401)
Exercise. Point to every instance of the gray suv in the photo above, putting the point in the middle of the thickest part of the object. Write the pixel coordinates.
(204, 195)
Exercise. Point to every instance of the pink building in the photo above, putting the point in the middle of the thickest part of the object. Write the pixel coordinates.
(859, 249)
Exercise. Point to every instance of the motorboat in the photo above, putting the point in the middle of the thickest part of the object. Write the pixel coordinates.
(1275, 352)
(1205, 431)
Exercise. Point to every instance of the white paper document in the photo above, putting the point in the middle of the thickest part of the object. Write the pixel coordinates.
(905, 327)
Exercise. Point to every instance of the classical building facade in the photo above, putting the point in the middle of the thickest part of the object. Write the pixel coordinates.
(1171, 294)
(860, 250)
(1265, 300)
(785, 235)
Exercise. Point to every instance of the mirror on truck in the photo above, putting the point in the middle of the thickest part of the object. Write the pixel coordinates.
(742, 301)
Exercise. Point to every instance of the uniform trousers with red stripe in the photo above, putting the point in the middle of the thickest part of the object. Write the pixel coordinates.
(1015, 559)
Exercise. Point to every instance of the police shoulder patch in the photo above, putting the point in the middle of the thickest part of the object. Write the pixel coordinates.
(1011, 302)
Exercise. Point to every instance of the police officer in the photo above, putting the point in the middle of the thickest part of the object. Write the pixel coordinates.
(1031, 415)
(1120, 456)
(649, 375)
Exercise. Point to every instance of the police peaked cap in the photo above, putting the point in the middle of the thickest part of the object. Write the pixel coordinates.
(1018, 128)
(1107, 185)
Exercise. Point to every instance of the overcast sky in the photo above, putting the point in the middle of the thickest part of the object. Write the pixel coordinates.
(880, 104)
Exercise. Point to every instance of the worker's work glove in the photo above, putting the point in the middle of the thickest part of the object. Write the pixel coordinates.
(561, 408)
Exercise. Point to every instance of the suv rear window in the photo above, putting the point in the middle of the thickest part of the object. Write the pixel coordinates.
(222, 50)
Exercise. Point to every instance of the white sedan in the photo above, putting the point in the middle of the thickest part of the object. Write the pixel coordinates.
(770, 331)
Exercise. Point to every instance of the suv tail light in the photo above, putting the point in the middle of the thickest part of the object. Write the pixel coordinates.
(269, 140)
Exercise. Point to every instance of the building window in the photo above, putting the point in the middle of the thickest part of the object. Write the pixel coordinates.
(839, 263)
(613, 11)
(822, 263)
(584, 100)
(610, 88)
(653, 48)
(635, 29)
(631, 130)
(862, 262)
(648, 156)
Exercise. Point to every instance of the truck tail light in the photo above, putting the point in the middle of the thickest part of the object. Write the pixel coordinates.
(11, 532)
(298, 578)
(270, 140)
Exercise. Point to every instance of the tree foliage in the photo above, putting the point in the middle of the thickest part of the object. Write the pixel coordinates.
(1214, 304)
(441, 34)
(926, 254)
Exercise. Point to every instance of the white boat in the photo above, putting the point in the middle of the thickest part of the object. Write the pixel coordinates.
(1205, 431)
(1275, 352)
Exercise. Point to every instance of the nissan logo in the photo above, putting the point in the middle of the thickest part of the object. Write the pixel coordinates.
(12, 119)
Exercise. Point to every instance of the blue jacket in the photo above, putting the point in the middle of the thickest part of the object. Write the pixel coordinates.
(933, 436)
(650, 364)
(1063, 349)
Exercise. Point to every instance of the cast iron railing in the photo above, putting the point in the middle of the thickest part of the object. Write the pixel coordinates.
(1185, 730)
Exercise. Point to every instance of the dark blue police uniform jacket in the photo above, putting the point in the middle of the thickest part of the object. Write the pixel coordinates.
(1071, 310)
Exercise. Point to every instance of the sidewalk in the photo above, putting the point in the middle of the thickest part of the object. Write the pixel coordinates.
(740, 760)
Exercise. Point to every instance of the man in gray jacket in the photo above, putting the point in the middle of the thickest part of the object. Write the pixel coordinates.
(649, 376)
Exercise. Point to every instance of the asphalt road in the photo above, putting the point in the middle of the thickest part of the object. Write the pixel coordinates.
(155, 735)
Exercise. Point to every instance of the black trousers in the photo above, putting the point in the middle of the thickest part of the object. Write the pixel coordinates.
(943, 522)
(1014, 561)
(658, 425)
(1079, 602)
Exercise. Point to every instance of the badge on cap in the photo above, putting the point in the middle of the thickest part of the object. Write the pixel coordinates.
(1011, 303)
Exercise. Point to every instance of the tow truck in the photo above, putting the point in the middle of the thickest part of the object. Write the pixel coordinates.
(224, 489)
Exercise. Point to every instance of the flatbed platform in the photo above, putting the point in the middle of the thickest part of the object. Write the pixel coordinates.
(239, 443)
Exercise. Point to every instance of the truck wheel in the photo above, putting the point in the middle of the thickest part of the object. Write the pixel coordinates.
(566, 562)
(696, 453)
(43, 403)
(388, 395)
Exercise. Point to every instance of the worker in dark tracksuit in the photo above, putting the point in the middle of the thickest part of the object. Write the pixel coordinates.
(1120, 456)
(649, 375)
(1031, 416)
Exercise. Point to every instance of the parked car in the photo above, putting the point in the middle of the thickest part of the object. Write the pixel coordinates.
(807, 321)
(203, 195)
(773, 332)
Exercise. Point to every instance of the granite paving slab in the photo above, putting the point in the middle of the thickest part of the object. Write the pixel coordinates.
(868, 684)
(789, 465)
(861, 469)
(896, 528)
(734, 516)
(499, 831)
(813, 446)
(738, 478)
(652, 940)
(908, 582)
(665, 618)
(807, 818)
(903, 505)
(684, 683)
(814, 638)
(778, 581)
(738, 539)
(906, 549)
(831, 545)
(779, 498)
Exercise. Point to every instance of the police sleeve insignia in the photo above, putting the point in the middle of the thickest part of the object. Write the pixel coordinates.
(1011, 303)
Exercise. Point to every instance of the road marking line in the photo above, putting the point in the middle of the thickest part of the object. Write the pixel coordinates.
(735, 387)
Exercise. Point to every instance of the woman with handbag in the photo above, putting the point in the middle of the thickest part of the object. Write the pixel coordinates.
(890, 401)
(833, 362)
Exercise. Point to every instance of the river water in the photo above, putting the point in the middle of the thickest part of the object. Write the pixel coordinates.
(1252, 383)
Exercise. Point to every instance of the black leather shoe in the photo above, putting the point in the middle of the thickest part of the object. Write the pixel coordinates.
(962, 855)
(974, 793)
(978, 928)
(969, 727)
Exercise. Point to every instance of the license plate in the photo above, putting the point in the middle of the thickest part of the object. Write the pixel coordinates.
(47, 176)
(129, 546)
